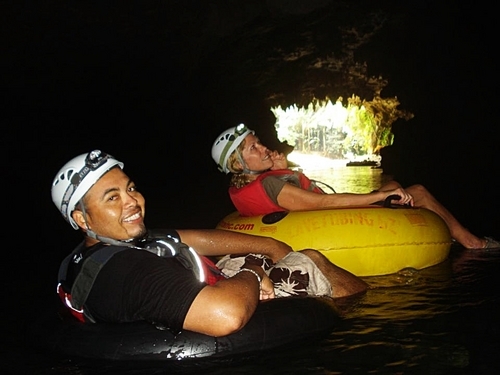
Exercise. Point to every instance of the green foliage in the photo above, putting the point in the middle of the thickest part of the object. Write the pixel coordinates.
(361, 128)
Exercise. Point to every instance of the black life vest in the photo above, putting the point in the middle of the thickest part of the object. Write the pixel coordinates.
(75, 295)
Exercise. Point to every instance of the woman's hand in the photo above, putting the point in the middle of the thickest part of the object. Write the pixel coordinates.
(279, 160)
(404, 196)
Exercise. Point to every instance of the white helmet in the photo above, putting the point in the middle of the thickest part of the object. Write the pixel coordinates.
(76, 177)
(226, 143)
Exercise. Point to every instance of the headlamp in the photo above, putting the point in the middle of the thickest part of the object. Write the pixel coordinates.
(240, 129)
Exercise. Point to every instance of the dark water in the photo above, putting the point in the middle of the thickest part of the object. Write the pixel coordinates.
(440, 320)
(154, 84)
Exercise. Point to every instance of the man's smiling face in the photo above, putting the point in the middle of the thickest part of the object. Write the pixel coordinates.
(114, 208)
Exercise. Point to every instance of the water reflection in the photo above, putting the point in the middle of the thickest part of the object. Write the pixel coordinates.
(335, 173)
(429, 320)
(350, 179)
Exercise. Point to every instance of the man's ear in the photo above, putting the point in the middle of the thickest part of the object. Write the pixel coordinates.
(79, 219)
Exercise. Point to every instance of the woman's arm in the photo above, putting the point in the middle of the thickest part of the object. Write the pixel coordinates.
(293, 198)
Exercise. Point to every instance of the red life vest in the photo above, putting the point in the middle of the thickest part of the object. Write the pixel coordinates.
(252, 199)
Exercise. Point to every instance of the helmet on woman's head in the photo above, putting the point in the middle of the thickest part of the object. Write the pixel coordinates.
(76, 178)
(226, 143)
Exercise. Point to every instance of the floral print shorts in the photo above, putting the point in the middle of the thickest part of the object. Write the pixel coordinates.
(294, 275)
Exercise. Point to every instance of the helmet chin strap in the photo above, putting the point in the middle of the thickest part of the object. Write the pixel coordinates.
(110, 241)
(245, 169)
(94, 235)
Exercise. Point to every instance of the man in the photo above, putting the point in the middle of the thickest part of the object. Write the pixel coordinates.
(262, 183)
(121, 273)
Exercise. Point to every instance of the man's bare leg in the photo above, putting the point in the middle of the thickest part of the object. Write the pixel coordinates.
(344, 283)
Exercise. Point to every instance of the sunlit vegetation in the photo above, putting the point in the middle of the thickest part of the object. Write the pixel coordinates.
(352, 130)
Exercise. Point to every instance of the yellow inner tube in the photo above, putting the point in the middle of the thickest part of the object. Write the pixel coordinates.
(367, 241)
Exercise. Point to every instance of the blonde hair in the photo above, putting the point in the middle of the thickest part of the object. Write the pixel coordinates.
(238, 179)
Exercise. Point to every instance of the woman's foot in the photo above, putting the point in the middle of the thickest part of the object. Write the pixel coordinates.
(491, 244)
(487, 243)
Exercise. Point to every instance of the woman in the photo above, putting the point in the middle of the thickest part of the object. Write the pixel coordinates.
(262, 183)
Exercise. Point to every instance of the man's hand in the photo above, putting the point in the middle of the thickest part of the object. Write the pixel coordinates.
(266, 288)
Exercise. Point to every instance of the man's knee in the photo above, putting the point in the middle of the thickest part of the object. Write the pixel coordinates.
(310, 253)
(343, 282)
(319, 259)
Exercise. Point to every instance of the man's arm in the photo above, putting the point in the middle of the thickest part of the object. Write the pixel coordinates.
(217, 242)
(225, 307)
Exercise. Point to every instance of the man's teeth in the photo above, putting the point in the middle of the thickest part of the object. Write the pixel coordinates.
(133, 217)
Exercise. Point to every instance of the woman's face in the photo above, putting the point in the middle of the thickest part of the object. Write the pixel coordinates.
(256, 156)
